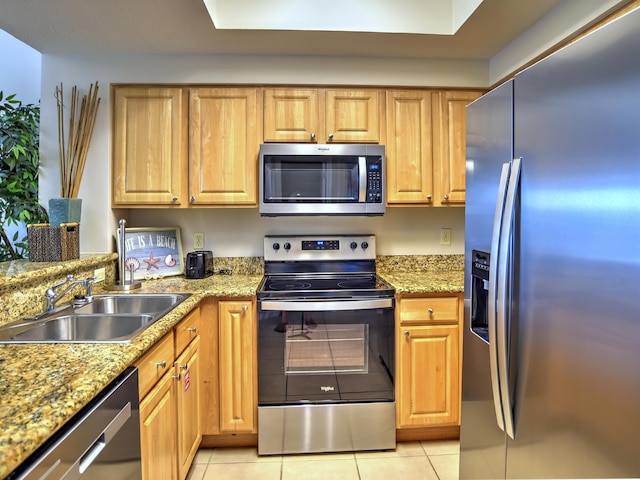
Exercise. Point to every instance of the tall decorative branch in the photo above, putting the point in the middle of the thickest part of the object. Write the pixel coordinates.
(73, 152)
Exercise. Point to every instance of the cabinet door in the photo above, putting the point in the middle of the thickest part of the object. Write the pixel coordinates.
(149, 146)
(451, 146)
(238, 381)
(158, 431)
(291, 115)
(188, 405)
(409, 149)
(428, 376)
(352, 116)
(224, 140)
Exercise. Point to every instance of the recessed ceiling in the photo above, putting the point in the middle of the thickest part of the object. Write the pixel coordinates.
(435, 17)
(185, 27)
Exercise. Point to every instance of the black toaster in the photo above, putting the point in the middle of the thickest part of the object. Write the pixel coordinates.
(199, 264)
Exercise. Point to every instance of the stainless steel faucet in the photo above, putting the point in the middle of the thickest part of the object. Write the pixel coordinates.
(52, 296)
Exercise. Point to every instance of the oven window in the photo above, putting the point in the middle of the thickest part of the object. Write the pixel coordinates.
(327, 348)
(325, 356)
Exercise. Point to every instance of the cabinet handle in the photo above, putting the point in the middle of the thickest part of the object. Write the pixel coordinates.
(177, 377)
(406, 333)
(430, 310)
(446, 197)
(313, 136)
(428, 198)
(161, 364)
(174, 199)
(245, 308)
(192, 198)
(192, 329)
(184, 367)
(331, 136)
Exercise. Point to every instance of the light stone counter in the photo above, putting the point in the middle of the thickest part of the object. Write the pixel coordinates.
(43, 385)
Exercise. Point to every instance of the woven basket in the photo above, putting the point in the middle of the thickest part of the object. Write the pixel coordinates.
(53, 244)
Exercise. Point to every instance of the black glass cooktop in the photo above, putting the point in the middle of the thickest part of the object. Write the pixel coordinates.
(334, 285)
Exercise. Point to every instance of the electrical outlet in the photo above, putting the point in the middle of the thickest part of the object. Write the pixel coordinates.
(99, 273)
(445, 236)
(198, 240)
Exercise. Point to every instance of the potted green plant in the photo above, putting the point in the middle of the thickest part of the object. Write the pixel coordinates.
(19, 168)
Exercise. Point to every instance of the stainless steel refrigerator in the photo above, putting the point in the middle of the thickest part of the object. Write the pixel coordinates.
(551, 360)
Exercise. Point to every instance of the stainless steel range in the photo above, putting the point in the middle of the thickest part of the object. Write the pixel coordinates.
(325, 347)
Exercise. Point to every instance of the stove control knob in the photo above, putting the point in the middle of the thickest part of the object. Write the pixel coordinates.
(287, 246)
(364, 245)
(276, 246)
(353, 245)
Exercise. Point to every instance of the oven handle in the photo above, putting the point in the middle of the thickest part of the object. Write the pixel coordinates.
(325, 305)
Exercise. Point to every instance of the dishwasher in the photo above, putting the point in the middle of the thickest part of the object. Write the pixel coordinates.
(101, 442)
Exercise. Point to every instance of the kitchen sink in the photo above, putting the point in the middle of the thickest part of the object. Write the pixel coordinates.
(132, 303)
(85, 328)
(105, 319)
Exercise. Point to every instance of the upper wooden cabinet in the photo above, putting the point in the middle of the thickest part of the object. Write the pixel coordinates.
(149, 146)
(322, 115)
(409, 150)
(224, 143)
(180, 146)
(450, 146)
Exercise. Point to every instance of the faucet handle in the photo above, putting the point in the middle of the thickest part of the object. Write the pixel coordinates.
(70, 278)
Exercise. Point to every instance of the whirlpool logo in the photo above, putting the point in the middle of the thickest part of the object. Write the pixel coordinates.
(328, 388)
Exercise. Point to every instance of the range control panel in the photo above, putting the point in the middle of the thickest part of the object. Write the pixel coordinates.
(321, 247)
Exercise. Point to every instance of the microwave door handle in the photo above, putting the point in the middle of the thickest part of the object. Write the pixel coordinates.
(362, 171)
(493, 290)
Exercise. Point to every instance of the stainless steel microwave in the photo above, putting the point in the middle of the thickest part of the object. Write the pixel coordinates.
(315, 179)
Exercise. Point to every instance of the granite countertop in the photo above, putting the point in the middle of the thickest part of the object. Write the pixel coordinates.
(43, 385)
(425, 281)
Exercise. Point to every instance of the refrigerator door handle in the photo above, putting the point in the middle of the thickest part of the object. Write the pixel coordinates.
(504, 281)
(493, 292)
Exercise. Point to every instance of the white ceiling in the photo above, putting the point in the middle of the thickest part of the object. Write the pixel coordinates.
(184, 26)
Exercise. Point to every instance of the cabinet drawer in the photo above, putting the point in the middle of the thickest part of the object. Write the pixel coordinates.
(187, 330)
(437, 309)
(155, 363)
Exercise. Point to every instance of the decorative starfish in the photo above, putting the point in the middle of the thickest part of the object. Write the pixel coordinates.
(151, 262)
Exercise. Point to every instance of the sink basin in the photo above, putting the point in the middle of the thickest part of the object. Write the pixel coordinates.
(106, 319)
(136, 303)
(85, 328)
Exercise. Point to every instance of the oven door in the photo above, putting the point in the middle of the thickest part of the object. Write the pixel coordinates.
(325, 351)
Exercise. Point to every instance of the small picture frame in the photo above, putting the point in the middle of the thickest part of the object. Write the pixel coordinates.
(152, 253)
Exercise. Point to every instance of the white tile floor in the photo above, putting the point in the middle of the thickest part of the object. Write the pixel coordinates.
(436, 460)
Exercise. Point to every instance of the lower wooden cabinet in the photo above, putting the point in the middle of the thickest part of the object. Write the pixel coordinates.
(237, 368)
(158, 424)
(188, 406)
(429, 367)
(230, 382)
(170, 423)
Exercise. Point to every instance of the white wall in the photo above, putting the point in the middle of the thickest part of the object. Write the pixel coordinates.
(399, 230)
(20, 72)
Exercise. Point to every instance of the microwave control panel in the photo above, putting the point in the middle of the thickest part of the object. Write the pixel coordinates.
(374, 180)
